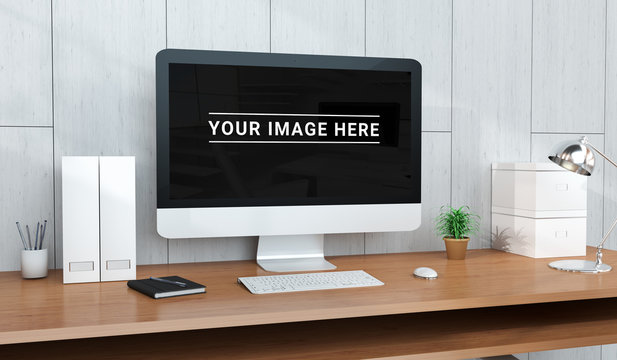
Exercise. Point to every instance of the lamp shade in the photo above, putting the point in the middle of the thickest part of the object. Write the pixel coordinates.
(576, 157)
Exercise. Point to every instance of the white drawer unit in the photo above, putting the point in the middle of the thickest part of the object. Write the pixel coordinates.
(539, 238)
(538, 190)
(538, 210)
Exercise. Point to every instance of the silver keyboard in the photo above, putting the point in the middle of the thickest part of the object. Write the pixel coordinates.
(305, 282)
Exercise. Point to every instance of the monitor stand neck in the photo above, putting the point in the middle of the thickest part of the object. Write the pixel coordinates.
(283, 253)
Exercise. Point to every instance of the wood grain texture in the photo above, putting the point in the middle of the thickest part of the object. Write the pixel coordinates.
(581, 353)
(108, 309)
(238, 25)
(104, 90)
(568, 65)
(26, 190)
(490, 98)
(318, 27)
(543, 144)
(435, 193)
(459, 334)
(420, 30)
(25, 63)
(610, 179)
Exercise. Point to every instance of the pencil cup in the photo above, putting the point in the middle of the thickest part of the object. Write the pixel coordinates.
(34, 264)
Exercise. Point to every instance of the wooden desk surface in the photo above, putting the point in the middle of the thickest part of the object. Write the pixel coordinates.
(39, 310)
(444, 335)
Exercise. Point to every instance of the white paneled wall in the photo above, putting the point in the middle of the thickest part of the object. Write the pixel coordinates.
(318, 27)
(568, 65)
(26, 189)
(421, 30)
(502, 81)
(25, 63)
(491, 100)
(609, 352)
(583, 353)
(104, 96)
(241, 25)
(610, 121)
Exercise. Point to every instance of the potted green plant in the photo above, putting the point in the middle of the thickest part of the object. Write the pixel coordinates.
(455, 226)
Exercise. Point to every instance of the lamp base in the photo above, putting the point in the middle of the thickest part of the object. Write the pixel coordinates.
(584, 266)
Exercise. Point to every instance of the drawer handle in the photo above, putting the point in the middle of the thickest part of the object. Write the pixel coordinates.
(562, 187)
(561, 234)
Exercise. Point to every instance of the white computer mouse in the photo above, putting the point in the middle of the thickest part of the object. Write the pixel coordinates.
(425, 273)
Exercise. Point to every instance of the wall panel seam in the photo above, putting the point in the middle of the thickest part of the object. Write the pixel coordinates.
(604, 119)
(365, 31)
(53, 135)
(530, 90)
(565, 133)
(33, 126)
(451, 95)
(605, 59)
(166, 46)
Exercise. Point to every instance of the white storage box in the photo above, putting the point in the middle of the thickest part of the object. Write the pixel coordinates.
(539, 210)
(539, 238)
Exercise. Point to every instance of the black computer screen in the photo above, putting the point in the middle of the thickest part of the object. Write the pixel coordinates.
(271, 135)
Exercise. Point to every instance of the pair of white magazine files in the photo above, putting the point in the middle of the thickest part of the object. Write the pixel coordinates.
(98, 218)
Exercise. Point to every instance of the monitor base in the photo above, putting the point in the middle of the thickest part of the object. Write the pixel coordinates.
(284, 253)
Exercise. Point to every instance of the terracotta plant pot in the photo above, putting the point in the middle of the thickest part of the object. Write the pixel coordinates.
(456, 249)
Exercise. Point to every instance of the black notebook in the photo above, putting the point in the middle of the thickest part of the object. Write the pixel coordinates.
(156, 289)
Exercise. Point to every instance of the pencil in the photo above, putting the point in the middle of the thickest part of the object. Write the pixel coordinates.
(43, 236)
(36, 237)
(29, 240)
(21, 235)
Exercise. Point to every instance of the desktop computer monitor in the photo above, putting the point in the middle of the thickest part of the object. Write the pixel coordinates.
(287, 148)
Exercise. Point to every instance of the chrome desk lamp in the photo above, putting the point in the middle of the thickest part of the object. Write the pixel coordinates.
(578, 158)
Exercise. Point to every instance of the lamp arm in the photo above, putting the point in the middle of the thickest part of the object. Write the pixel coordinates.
(610, 230)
